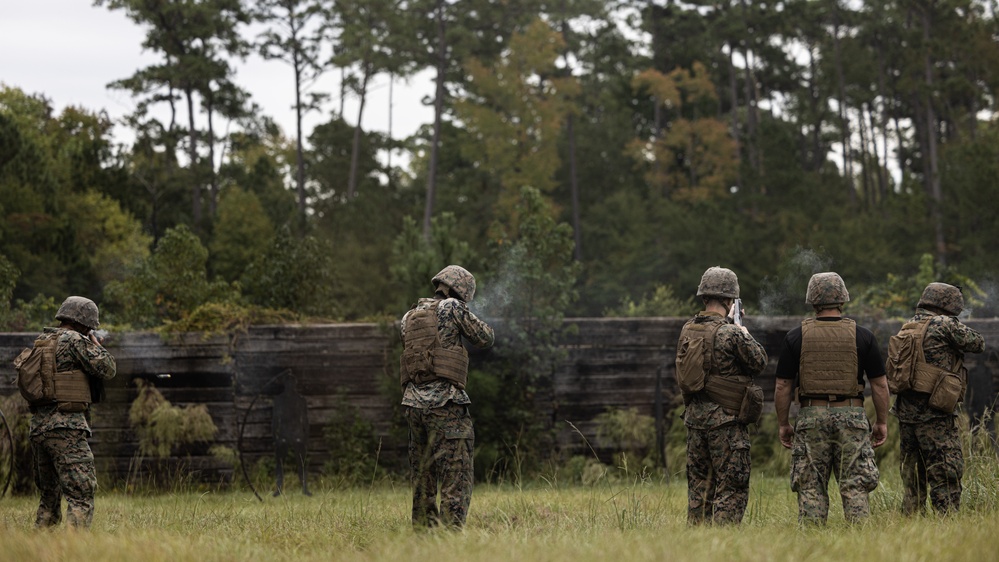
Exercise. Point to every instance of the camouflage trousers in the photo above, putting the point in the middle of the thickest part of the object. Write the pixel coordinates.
(718, 466)
(931, 458)
(440, 457)
(64, 466)
(833, 441)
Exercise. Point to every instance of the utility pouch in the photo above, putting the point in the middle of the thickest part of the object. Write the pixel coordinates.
(752, 405)
(903, 353)
(947, 393)
(690, 364)
(36, 372)
(33, 386)
(694, 355)
(72, 391)
(72, 407)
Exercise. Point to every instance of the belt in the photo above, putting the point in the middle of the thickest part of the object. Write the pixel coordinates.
(831, 404)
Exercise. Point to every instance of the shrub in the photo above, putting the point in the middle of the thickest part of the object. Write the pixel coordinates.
(163, 428)
(630, 434)
(354, 449)
(662, 302)
(18, 449)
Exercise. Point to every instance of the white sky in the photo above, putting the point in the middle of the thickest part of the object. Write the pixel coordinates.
(69, 50)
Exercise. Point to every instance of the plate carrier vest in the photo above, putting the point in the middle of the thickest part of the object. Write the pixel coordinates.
(828, 364)
(423, 359)
(724, 390)
(39, 382)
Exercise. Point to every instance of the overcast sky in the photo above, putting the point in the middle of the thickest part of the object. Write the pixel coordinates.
(69, 50)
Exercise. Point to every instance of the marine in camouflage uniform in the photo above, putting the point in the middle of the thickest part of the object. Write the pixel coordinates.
(64, 462)
(931, 457)
(718, 460)
(441, 436)
(832, 435)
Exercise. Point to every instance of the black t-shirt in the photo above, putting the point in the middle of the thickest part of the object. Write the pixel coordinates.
(868, 354)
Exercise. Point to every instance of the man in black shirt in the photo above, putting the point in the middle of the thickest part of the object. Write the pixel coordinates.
(828, 357)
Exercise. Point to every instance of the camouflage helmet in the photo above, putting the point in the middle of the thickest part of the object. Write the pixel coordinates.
(81, 310)
(460, 281)
(826, 288)
(946, 297)
(719, 282)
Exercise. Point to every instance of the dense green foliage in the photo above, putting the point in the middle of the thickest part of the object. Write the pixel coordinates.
(585, 158)
(776, 139)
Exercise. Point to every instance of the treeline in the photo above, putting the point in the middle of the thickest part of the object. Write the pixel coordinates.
(595, 156)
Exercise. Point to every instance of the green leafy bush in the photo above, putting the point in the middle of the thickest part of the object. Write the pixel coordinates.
(630, 434)
(168, 285)
(897, 296)
(163, 428)
(18, 449)
(662, 302)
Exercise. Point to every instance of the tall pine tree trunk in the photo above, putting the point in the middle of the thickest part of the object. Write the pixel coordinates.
(844, 125)
(213, 181)
(933, 164)
(574, 188)
(884, 117)
(192, 154)
(391, 112)
(733, 89)
(428, 209)
(752, 114)
(867, 185)
(570, 130)
(818, 154)
(355, 152)
(299, 152)
(879, 167)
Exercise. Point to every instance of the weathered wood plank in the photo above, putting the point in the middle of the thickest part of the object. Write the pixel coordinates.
(610, 362)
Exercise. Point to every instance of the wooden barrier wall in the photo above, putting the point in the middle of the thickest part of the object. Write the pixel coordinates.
(610, 362)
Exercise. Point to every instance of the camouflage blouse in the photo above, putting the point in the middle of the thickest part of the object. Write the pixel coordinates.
(73, 351)
(947, 340)
(737, 354)
(454, 322)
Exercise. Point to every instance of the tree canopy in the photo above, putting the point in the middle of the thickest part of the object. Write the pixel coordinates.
(774, 138)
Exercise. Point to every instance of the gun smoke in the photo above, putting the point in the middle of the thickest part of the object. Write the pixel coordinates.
(784, 294)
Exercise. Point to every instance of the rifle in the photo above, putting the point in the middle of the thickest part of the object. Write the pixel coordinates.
(737, 312)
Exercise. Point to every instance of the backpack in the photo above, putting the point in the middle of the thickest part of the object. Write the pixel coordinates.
(904, 353)
(39, 383)
(36, 367)
(693, 356)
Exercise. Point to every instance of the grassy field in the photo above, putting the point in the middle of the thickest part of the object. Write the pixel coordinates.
(635, 520)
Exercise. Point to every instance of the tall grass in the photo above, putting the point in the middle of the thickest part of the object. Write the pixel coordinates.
(640, 519)
(621, 513)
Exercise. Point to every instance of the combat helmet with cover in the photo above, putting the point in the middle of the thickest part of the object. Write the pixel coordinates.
(947, 298)
(81, 310)
(826, 288)
(719, 282)
(458, 279)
